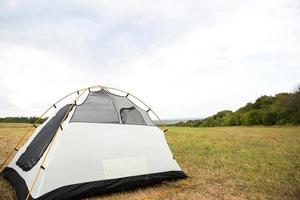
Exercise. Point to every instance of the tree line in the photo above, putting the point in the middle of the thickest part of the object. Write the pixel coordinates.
(30, 120)
(281, 109)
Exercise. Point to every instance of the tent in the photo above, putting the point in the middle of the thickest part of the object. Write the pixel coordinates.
(100, 141)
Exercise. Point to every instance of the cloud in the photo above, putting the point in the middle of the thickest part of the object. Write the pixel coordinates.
(185, 58)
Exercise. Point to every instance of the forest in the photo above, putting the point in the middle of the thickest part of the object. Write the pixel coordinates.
(30, 120)
(281, 109)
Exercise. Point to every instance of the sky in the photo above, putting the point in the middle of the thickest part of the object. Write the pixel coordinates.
(185, 59)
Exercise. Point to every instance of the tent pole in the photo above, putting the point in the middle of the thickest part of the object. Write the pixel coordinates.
(50, 145)
(28, 131)
(54, 105)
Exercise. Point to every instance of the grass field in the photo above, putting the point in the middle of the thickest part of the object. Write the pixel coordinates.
(224, 163)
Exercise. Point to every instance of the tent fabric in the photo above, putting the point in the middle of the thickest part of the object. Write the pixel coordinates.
(87, 158)
(39, 144)
(97, 108)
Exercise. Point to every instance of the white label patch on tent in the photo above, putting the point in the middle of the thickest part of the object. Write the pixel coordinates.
(123, 167)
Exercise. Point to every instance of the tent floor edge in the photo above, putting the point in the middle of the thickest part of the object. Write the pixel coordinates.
(87, 189)
(17, 182)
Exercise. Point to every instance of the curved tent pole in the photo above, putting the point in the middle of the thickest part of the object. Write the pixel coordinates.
(28, 131)
(50, 145)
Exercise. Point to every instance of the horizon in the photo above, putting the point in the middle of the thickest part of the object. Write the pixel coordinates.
(187, 118)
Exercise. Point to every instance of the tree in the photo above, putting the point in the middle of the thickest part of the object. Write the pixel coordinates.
(293, 107)
(254, 117)
(269, 118)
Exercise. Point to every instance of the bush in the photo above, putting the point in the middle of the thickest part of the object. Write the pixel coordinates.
(269, 118)
(254, 117)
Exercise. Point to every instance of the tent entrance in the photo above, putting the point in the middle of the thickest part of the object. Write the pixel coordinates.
(39, 144)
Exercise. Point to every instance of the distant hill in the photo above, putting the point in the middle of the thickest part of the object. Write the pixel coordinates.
(281, 109)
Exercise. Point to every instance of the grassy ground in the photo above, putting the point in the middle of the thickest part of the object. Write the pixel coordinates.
(224, 163)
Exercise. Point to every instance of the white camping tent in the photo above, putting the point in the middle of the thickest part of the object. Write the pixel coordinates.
(102, 142)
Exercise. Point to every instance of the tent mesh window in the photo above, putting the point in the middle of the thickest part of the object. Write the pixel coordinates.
(131, 116)
(105, 107)
(123, 102)
(97, 108)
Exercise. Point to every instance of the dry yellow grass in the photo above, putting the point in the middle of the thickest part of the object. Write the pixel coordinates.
(226, 163)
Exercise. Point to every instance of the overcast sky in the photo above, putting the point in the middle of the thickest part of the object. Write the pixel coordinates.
(186, 59)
